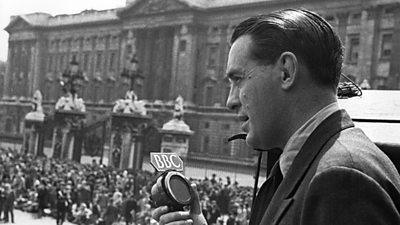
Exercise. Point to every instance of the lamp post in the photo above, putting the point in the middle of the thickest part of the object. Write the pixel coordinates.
(132, 73)
(72, 78)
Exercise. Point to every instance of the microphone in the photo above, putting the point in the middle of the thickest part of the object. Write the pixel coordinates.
(348, 88)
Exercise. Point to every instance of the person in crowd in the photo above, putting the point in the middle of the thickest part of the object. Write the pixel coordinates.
(62, 176)
(42, 198)
(81, 214)
(62, 205)
(284, 68)
(214, 213)
(232, 219)
(129, 209)
(8, 206)
(2, 200)
(111, 213)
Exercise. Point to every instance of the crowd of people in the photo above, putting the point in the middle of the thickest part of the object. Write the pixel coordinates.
(97, 194)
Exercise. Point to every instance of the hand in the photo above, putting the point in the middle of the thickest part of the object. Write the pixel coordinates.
(192, 217)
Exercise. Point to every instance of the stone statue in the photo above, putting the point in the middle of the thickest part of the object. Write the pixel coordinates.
(178, 108)
(130, 104)
(37, 110)
(71, 102)
(37, 102)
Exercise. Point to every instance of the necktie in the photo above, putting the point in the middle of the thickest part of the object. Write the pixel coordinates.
(265, 194)
(277, 177)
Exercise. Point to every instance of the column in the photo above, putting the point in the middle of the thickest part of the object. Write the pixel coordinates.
(375, 15)
(7, 78)
(185, 61)
(64, 142)
(366, 41)
(394, 71)
(342, 25)
(125, 150)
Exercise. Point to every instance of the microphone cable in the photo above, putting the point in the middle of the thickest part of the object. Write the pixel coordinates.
(348, 89)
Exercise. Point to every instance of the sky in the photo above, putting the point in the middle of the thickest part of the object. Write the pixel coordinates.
(53, 7)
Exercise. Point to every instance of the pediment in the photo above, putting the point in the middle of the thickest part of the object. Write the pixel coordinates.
(17, 23)
(147, 7)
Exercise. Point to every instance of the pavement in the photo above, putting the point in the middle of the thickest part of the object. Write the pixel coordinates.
(24, 218)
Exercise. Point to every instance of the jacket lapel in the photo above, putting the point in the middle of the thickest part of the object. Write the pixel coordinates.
(335, 123)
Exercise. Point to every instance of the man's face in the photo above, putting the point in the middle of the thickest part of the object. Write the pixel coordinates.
(254, 94)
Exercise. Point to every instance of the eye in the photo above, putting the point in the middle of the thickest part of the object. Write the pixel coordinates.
(235, 79)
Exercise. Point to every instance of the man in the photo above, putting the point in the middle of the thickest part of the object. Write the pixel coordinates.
(62, 204)
(9, 203)
(284, 69)
(42, 197)
(129, 209)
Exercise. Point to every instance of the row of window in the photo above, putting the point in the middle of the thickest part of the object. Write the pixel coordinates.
(224, 148)
(354, 47)
(98, 42)
(355, 17)
(108, 92)
(99, 61)
(225, 126)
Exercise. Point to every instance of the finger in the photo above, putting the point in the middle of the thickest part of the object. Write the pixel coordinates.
(159, 211)
(183, 222)
(178, 216)
(195, 205)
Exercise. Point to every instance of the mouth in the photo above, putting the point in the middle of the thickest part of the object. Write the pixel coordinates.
(244, 119)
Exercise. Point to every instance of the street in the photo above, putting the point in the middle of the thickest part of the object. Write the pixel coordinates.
(24, 218)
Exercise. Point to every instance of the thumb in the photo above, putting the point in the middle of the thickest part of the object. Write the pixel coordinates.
(195, 205)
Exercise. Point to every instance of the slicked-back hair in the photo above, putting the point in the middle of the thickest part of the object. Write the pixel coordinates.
(302, 32)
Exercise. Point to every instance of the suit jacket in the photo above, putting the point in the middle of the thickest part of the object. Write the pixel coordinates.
(338, 177)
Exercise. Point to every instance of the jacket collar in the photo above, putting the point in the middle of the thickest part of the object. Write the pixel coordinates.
(335, 123)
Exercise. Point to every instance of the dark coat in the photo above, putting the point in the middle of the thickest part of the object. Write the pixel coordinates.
(9, 200)
(111, 214)
(338, 177)
(43, 195)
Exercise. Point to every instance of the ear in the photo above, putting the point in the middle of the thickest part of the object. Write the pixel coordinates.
(289, 67)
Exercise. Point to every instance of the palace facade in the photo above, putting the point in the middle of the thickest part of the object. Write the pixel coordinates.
(182, 48)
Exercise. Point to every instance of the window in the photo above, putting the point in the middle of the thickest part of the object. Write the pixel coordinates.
(209, 93)
(329, 18)
(60, 65)
(226, 147)
(354, 49)
(168, 139)
(74, 57)
(109, 93)
(96, 93)
(85, 61)
(226, 126)
(180, 140)
(386, 46)
(182, 46)
(389, 10)
(206, 125)
(98, 61)
(167, 150)
(111, 66)
(355, 18)
(50, 63)
(8, 126)
(212, 56)
(206, 144)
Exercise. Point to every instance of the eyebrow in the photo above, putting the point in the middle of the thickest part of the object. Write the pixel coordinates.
(233, 72)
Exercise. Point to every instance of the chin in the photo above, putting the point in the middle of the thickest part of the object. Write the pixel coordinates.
(250, 141)
(258, 144)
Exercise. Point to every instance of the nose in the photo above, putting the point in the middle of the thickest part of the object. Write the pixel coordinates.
(233, 101)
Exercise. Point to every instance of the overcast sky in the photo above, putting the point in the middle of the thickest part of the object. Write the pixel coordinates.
(53, 7)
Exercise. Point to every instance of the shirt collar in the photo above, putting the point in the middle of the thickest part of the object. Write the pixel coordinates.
(298, 138)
